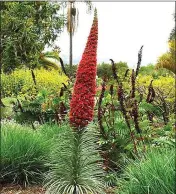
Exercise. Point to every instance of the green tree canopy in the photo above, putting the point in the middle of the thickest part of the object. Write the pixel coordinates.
(151, 70)
(105, 69)
(27, 27)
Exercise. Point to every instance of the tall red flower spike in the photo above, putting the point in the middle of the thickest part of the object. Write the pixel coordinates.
(83, 97)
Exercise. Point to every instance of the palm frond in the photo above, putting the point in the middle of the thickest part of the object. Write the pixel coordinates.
(72, 18)
(51, 59)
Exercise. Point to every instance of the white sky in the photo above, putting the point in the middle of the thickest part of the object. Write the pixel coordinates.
(123, 28)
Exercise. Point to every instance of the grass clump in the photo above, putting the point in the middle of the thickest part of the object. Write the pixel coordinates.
(23, 155)
(154, 175)
(51, 131)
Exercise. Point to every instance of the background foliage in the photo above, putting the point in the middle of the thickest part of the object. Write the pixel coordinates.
(26, 28)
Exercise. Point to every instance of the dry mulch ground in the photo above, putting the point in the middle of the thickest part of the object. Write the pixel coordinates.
(16, 189)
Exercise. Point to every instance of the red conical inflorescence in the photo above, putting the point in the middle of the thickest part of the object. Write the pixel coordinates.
(83, 97)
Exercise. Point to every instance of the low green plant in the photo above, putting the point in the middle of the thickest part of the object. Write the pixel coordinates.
(6, 110)
(75, 164)
(23, 155)
(116, 143)
(51, 131)
(44, 107)
(153, 174)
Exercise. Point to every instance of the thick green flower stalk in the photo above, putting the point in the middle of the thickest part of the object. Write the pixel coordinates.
(82, 102)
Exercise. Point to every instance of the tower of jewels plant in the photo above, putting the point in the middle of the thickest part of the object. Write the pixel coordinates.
(82, 102)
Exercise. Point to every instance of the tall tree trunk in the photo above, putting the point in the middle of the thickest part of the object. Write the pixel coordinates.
(71, 39)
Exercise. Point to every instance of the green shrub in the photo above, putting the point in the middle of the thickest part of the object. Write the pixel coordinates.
(21, 83)
(75, 164)
(44, 107)
(151, 70)
(7, 111)
(154, 175)
(105, 69)
(23, 155)
(74, 69)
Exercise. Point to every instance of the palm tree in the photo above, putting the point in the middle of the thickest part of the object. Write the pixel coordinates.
(52, 60)
(72, 23)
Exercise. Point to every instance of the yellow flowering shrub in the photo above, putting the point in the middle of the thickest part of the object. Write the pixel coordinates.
(165, 83)
(20, 82)
(163, 86)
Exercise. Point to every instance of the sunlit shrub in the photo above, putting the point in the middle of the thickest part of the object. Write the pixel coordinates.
(167, 60)
(164, 93)
(20, 82)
